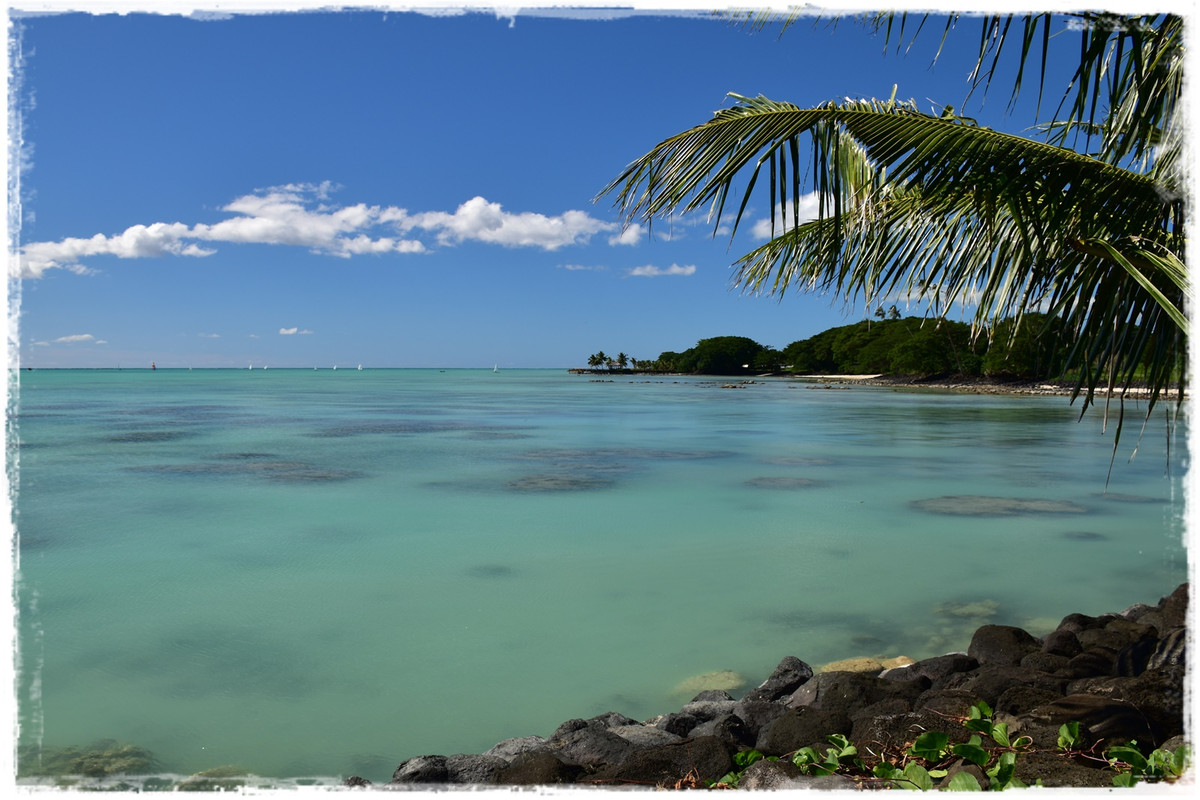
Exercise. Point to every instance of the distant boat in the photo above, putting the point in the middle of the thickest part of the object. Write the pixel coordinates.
(360, 367)
(335, 367)
(249, 366)
(495, 368)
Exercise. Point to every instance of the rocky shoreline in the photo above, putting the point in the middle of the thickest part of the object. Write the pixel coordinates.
(1121, 676)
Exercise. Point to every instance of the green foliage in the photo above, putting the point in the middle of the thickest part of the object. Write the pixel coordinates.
(742, 760)
(964, 782)
(1160, 765)
(1030, 347)
(1089, 224)
(1068, 736)
(721, 355)
(909, 346)
(841, 754)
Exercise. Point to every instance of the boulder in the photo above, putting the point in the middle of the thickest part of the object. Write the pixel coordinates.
(589, 747)
(775, 775)
(705, 710)
(1095, 661)
(1001, 645)
(1158, 695)
(475, 770)
(706, 758)
(729, 728)
(939, 668)
(645, 735)
(787, 678)
(946, 702)
(1062, 642)
(679, 724)
(1054, 771)
(757, 714)
(509, 749)
(1173, 608)
(1017, 700)
(422, 769)
(898, 730)
(1046, 662)
(800, 727)
(988, 683)
(849, 692)
(538, 768)
(1106, 719)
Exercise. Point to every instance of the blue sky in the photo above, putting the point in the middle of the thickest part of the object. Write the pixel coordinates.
(398, 189)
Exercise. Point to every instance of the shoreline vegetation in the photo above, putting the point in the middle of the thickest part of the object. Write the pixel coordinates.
(1029, 355)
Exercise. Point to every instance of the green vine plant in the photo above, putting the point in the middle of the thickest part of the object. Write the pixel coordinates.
(990, 747)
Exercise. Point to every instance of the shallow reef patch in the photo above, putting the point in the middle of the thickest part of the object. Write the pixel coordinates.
(971, 505)
(782, 482)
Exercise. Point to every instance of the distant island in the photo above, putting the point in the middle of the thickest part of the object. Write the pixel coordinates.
(1035, 347)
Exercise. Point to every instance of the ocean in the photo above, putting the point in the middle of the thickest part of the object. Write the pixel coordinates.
(326, 572)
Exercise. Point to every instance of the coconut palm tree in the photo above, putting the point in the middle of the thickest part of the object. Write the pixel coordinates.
(1087, 225)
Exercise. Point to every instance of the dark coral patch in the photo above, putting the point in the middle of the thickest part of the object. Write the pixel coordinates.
(557, 483)
(970, 505)
(777, 482)
(491, 571)
(147, 436)
(1084, 536)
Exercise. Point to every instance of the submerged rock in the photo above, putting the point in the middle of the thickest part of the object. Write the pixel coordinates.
(970, 505)
(557, 483)
(782, 483)
(725, 680)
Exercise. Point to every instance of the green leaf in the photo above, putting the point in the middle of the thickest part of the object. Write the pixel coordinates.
(930, 746)
(964, 782)
(1002, 773)
(971, 752)
(1179, 760)
(746, 757)
(1125, 779)
(1128, 755)
(1000, 734)
(916, 777)
(981, 725)
(1068, 736)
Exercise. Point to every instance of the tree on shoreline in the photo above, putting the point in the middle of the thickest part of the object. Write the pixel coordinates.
(938, 208)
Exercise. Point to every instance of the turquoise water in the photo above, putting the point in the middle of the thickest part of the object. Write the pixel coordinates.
(327, 572)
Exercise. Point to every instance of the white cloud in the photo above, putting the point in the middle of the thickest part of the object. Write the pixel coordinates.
(628, 236)
(484, 221)
(292, 331)
(75, 337)
(582, 267)
(298, 215)
(808, 207)
(209, 335)
(651, 271)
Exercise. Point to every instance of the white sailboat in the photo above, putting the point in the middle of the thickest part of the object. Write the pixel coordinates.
(495, 368)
